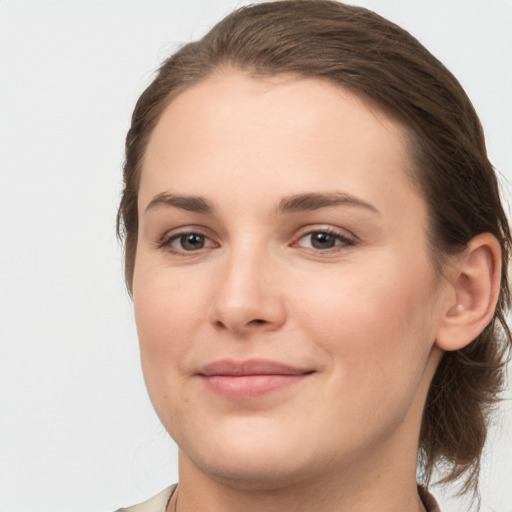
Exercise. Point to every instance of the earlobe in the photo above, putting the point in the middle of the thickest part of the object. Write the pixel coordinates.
(475, 287)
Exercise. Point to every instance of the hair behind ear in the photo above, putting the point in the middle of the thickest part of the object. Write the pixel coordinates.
(470, 378)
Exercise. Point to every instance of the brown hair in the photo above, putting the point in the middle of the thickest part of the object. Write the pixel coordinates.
(377, 60)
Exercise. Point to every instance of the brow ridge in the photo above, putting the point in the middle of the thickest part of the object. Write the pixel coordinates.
(316, 200)
(196, 204)
(294, 203)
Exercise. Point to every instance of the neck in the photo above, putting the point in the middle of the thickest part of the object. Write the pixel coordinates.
(362, 488)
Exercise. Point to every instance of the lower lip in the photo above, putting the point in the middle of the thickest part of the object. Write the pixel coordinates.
(245, 387)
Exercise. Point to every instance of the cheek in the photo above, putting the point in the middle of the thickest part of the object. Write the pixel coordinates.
(165, 304)
(163, 314)
(162, 319)
(374, 326)
(171, 309)
(365, 298)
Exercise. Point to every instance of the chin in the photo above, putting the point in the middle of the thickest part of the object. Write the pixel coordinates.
(249, 462)
(254, 475)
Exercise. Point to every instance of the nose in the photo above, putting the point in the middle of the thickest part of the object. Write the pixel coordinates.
(248, 297)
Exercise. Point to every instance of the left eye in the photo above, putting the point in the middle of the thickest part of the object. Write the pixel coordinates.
(322, 240)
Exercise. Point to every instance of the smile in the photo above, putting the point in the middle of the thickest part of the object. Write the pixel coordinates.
(250, 379)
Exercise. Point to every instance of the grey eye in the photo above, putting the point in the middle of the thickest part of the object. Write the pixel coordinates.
(323, 240)
(191, 241)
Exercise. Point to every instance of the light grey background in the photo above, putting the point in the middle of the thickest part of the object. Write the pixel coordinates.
(77, 431)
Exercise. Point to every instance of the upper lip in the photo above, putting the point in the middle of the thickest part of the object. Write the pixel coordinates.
(228, 367)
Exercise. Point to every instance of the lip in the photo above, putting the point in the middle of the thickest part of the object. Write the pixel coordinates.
(243, 380)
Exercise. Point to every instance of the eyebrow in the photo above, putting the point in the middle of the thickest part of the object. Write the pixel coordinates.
(295, 203)
(190, 203)
(314, 201)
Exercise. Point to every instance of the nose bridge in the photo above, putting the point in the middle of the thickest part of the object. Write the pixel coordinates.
(246, 296)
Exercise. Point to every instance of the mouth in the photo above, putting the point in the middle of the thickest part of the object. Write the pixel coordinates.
(243, 380)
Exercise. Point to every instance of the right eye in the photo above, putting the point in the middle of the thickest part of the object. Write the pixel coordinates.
(188, 242)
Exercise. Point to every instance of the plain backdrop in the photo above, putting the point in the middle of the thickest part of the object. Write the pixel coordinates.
(77, 431)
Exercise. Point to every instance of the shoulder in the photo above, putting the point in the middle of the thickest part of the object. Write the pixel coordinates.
(157, 503)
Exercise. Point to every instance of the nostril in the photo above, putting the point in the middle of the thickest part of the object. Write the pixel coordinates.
(219, 324)
(252, 323)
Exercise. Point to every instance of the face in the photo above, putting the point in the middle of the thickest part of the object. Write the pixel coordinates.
(284, 297)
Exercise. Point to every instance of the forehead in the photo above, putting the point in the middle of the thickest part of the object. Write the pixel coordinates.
(279, 133)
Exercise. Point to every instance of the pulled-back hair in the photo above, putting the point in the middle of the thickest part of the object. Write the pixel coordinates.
(383, 64)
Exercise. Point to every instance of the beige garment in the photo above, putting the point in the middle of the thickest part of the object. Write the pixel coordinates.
(159, 502)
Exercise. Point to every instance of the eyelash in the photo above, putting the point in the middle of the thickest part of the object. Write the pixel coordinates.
(166, 241)
(344, 240)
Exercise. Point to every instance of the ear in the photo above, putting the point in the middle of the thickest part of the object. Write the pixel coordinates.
(473, 293)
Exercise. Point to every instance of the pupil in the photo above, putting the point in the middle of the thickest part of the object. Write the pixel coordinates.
(192, 242)
(322, 241)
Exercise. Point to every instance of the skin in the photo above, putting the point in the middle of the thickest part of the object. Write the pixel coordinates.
(361, 316)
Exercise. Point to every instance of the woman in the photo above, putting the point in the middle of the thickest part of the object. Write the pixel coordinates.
(317, 254)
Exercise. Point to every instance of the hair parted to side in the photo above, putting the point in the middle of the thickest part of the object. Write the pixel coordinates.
(358, 50)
